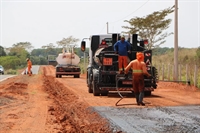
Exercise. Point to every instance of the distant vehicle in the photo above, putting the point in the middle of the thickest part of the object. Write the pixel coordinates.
(68, 64)
(52, 60)
(1, 69)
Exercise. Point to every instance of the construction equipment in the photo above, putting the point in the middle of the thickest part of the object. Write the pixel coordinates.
(103, 65)
(68, 63)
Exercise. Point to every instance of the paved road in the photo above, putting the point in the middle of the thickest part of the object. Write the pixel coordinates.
(4, 77)
(35, 69)
(180, 119)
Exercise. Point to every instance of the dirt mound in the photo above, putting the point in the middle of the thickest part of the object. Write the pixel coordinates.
(72, 114)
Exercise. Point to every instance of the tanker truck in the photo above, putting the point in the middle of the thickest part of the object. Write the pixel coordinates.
(103, 71)
(67, 63)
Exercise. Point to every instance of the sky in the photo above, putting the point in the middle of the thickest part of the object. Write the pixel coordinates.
(42, 22)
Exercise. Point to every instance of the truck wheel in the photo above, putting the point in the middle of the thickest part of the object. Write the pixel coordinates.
(96, 91)
(104, 93)
(90, 90)
(56, 76)
(77, 76)
(147, 93)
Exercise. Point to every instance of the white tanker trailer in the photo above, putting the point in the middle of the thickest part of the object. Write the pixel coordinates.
(68, 64)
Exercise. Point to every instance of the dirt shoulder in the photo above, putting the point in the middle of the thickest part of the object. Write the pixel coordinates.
(41, 104)
(44, 104)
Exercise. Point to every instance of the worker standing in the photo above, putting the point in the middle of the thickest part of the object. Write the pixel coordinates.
(139, 70)
(122, 48)
(29, 66)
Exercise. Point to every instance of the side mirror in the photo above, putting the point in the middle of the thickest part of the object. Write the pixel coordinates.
(83, 46)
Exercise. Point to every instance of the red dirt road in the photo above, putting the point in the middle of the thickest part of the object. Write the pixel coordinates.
(45, 104)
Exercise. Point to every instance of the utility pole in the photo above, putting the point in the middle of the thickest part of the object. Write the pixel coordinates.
(176, 41)
(107, 27)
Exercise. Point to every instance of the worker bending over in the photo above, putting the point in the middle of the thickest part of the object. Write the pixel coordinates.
(29, 66)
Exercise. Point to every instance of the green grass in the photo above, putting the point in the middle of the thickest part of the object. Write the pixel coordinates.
(186, 56)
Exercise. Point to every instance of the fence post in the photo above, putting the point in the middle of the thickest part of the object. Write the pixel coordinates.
(195, 76)
(186, 73)
(168, 72)
(180, 72)
(172, 72)
(158, 72)
(163, 72)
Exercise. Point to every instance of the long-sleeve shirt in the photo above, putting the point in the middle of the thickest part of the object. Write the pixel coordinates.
(122, 47)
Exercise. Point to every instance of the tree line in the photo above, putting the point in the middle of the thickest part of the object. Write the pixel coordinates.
(15, 56)
(152, 27)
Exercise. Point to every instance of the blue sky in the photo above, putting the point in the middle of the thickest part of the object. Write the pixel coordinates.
(41, 22)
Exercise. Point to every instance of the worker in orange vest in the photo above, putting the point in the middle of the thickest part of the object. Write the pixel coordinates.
(29, 66)
(139, 69)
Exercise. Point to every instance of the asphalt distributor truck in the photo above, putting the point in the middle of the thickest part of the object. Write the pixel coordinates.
(102, 71)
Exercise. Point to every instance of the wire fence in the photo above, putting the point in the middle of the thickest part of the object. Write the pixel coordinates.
(187, 73)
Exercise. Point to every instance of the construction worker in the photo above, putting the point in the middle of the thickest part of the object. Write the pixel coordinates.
(139, 70)
(122, 48)
(29, 66)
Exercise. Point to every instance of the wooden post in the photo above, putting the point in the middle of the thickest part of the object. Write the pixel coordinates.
(172, 71)
(163, 72)
(195, 75)
(168, 72)
(180, 72)
(186, 73)
(158, 72)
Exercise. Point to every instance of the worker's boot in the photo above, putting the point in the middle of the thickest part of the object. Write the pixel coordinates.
(137, 98)
(141, 96)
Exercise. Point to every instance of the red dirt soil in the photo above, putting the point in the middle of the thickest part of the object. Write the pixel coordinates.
(44, 104)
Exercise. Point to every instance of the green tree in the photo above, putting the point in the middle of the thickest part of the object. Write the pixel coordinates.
(2, 52)
(198, 52)
(67, 42)
(49, 49)
(151, 27)
(38, 52)
(26, 45)
(10, 62)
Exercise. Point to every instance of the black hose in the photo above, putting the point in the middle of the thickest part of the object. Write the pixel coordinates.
(116, 104)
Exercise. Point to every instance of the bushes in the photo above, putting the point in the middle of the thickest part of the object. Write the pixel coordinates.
(11, 71)
(11, 62)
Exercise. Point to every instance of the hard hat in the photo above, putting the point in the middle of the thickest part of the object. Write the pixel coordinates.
(140, 56)
(27, 59)
(122, 36)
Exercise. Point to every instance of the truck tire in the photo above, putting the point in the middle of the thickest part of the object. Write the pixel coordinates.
(90, 89)
(104, 93)
(56, 76)
(96, 91)
(147, 93)
(77, 76)
(155, 75)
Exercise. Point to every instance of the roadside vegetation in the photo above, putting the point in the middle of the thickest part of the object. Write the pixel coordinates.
(152, 27)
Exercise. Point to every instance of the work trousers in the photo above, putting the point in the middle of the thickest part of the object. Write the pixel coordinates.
(138, 87)
(122, 62)
(29, 71)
